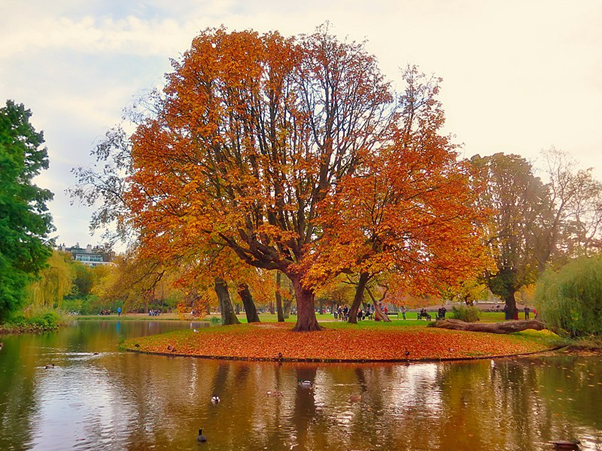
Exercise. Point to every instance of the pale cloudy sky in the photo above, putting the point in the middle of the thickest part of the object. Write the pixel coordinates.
(519, 76)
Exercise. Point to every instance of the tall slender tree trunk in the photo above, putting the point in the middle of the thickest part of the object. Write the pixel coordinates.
(306, 314)
(286, 307)
(279, 308)
(228, 316)
(247, 300)
(379, 315)
(358, 298)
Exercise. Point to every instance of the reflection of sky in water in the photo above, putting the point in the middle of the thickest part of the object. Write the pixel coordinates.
(118, 400)
(416, 386)
(79, 400)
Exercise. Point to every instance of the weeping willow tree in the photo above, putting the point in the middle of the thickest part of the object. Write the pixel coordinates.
(571, 299)
(54, 282)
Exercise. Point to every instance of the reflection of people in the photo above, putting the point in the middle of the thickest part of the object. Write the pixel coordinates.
(118, 311)
(527, 310)
(506, 312)
(403, 311)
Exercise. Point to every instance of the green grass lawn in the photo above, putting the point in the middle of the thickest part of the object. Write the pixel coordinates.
(326, 318)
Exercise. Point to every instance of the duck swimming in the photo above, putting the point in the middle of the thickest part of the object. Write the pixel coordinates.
(306, 384)
(215, 399)
(201, 437)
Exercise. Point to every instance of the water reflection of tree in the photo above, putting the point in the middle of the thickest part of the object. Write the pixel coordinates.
(569, 390)
(140, 402)
(17, 393)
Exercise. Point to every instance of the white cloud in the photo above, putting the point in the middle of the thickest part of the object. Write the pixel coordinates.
(518, 76)
(88, 35)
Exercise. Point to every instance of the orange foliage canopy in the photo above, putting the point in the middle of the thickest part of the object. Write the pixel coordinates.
(251, 133)
(264, 146)
(409, 211)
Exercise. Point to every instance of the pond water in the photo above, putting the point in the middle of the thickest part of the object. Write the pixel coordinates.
(96, 397)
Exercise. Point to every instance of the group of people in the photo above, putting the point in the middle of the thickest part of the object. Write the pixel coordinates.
(423, 314)
(526, 310)
(441, 312)
(341, 313)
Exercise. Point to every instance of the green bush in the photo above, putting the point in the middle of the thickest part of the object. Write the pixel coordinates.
(469, 314)
(36, 322)
(73, 305)
(570, 300)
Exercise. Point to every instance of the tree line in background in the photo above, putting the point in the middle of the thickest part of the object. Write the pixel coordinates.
(286, 169)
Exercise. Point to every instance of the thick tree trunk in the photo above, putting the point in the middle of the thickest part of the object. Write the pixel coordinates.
(358, 298)
(247, 300)
(228, 316)
(505, 327)
(511, 303)
(306, 314)
(279, 308)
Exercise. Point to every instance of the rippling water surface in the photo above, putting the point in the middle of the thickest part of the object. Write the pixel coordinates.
(73, 389)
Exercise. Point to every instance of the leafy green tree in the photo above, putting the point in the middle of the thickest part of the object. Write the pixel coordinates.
(24, 218)
(84, 280)
(571, 299)
(519, 228)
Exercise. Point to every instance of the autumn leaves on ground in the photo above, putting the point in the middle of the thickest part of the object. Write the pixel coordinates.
(338, 342)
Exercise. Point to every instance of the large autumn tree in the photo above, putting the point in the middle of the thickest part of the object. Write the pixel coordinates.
(252, 132)
(258, 143)
(24, 218)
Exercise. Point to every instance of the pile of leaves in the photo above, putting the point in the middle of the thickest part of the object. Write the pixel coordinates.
(337, 344)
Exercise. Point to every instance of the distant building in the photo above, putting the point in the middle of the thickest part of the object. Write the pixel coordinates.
(88, 256)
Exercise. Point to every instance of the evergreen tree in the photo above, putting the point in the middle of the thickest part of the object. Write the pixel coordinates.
(24, 218)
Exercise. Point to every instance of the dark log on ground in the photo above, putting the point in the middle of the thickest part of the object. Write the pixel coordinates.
(506, 327)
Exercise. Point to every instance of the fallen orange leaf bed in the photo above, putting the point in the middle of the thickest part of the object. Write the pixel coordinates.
(270, 341)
